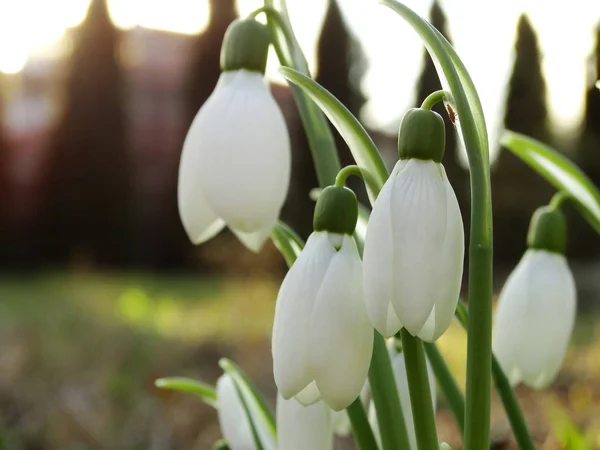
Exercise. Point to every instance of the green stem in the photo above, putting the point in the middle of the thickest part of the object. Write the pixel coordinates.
(432, 99)
(384, 392)
(318, 132)
(420, 394)
(452, 393)
(479, 340)
(507, 395)
(512, 408)
(348, 171)
(558, 199)
(361, 428)
(345, 173)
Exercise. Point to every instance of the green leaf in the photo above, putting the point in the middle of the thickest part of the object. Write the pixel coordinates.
(287, 242)
(259, 413)
(360, 143)
(558, 170)
(205, 391)
(455, 78)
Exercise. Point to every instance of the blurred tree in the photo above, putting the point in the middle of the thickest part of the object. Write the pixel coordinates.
(517, 190)
(4, 188)
(587, 244)
(202, 76)
(430, 82)
(340, 69)
(86, 211)
(205, 69)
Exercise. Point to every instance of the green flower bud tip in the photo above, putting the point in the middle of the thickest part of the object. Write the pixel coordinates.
(245, 46)
(547, 230)
(422, 135)
(336, 211)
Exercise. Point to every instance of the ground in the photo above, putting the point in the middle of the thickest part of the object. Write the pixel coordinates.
(79, 354)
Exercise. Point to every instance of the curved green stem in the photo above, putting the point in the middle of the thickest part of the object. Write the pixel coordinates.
(384, 392)
(361, 428)
(420, 394)
(507, 395)
(318, 132)
(433, 98)
(452, 393)
(345, 173)
(558, 199)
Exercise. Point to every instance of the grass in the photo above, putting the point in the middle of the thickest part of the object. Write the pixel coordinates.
(79, 354)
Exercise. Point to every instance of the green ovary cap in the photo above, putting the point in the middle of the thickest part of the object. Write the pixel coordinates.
(245, 46)
(336, 211)
(547, 230)
(422, 135)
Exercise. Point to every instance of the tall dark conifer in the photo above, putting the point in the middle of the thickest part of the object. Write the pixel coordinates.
(4, 189)
(204, 70)
(86, 211)
(340, 69)
(584, 242)
(517, 190)
(430, 82)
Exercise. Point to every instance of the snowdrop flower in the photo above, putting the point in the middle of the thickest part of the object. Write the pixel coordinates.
(303, 427)
(233, 421)
(322, 338)
(235, 163)
(399, 368)
(414, 246)
(536, 307)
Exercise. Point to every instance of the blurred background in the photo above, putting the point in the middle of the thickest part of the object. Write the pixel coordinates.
(100, 290)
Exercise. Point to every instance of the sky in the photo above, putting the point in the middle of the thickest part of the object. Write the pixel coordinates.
(482, 31)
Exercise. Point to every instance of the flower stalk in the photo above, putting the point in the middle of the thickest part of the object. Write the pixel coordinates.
(420, 394)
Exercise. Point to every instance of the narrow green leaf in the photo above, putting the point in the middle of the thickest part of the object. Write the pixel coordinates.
(360, 143)
(205, 391)
(455, 78)
(258, 409)
(287, 242)
(558, 170)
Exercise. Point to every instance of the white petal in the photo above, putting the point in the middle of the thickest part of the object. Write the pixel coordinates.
(302, 428)
(451, 269)
(378, 265)
(234, 424)
(341, 423)
(255, 239)
(419, 226)
(292, 315)
(199, 220)
(309, 395)
(534, 318)
(244, 152)
(341, 336)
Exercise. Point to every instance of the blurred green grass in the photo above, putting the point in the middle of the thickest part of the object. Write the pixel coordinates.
(79, 353)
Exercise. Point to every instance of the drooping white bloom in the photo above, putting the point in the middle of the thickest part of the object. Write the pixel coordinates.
(322, 338)
(534, 318)
(233, 421)
(235, 164)
(414, 251)
(303, 427)
(399, 368)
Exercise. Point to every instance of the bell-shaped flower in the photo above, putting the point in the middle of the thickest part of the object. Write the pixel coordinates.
(322, 337)
(536, 307)
(399, 369)
(303, 427)
(234, 422)
(236, 158)
(414, 246)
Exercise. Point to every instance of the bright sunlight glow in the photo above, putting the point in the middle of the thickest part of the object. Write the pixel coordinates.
(394, 53)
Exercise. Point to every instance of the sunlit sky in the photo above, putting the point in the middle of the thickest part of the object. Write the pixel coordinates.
(482, 32)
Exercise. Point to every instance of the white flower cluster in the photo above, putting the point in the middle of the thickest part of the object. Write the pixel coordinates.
(235, 171)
